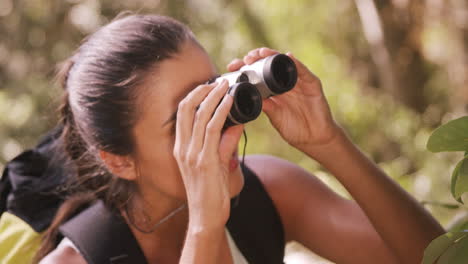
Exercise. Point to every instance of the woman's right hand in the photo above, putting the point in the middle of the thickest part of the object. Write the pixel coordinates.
(203, 153)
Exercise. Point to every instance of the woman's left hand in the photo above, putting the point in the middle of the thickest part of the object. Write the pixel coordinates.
(302, 115)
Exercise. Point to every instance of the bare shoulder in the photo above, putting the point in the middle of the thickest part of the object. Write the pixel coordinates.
(292, 189)
(264, 165)
(282, 176)
(63, 254)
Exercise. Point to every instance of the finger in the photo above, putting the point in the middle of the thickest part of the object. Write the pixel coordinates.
(269, 105)
(214, 126)
(235, 65)
(257, 54)
(204, 114)
(185, 114)
(229, 142)
(254, 53)
(265, 52)
(303, 73)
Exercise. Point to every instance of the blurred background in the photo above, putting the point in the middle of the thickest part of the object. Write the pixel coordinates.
(392, 71)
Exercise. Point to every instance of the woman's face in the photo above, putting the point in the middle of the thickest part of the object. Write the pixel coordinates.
(164, 87)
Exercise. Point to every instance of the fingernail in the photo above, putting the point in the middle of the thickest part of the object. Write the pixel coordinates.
(253, 53)
(262, 51)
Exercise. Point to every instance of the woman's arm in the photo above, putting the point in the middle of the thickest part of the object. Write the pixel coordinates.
(203, 156)
(318, 218)
(405, 226)
(303, 118)
(202, 245)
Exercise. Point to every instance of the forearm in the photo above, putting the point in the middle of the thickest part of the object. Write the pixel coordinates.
(202, 244)
(405, 226)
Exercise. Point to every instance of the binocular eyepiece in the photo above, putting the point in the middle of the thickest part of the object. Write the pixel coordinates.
(251, 84)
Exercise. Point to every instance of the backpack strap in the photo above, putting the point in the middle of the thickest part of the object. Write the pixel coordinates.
(102, 236)
(254, 223)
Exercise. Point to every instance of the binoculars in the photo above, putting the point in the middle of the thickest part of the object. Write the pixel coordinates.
(251, 84)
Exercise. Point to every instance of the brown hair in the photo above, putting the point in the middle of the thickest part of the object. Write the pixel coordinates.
(99, 106)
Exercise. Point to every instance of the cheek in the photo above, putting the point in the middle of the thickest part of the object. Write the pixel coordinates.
(159, 170)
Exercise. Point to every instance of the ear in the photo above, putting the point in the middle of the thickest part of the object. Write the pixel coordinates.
(120, 166)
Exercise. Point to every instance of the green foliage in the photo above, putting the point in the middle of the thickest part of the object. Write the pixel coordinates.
(452, 246)
(452, 136)
(448, 248)
(441, 204)
(459, 183)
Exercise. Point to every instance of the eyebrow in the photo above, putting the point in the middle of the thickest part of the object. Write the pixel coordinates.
(173, 116)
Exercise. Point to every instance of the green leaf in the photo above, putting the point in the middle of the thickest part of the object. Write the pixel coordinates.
(441, 204)
(452, 136)
(461, 256)
(456, 253)
(441, 246)
(459, 182)
(453, 181)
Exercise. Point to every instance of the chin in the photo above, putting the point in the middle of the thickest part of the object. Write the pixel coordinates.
(236, 182)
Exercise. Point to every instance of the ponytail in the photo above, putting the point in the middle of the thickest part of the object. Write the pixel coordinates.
(74, 146)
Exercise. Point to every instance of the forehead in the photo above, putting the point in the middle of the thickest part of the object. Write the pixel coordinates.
(173, 79)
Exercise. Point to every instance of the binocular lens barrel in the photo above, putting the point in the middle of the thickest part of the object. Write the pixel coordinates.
(280, 73)
(270, 76)
(247, 104)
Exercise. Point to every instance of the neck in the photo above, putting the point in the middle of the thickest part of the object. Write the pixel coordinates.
(163, 243)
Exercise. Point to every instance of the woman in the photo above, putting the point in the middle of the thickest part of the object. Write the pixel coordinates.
(172, 180)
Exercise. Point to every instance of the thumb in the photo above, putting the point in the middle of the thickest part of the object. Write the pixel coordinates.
(229, 141)
(273, 109)
(270, 107)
